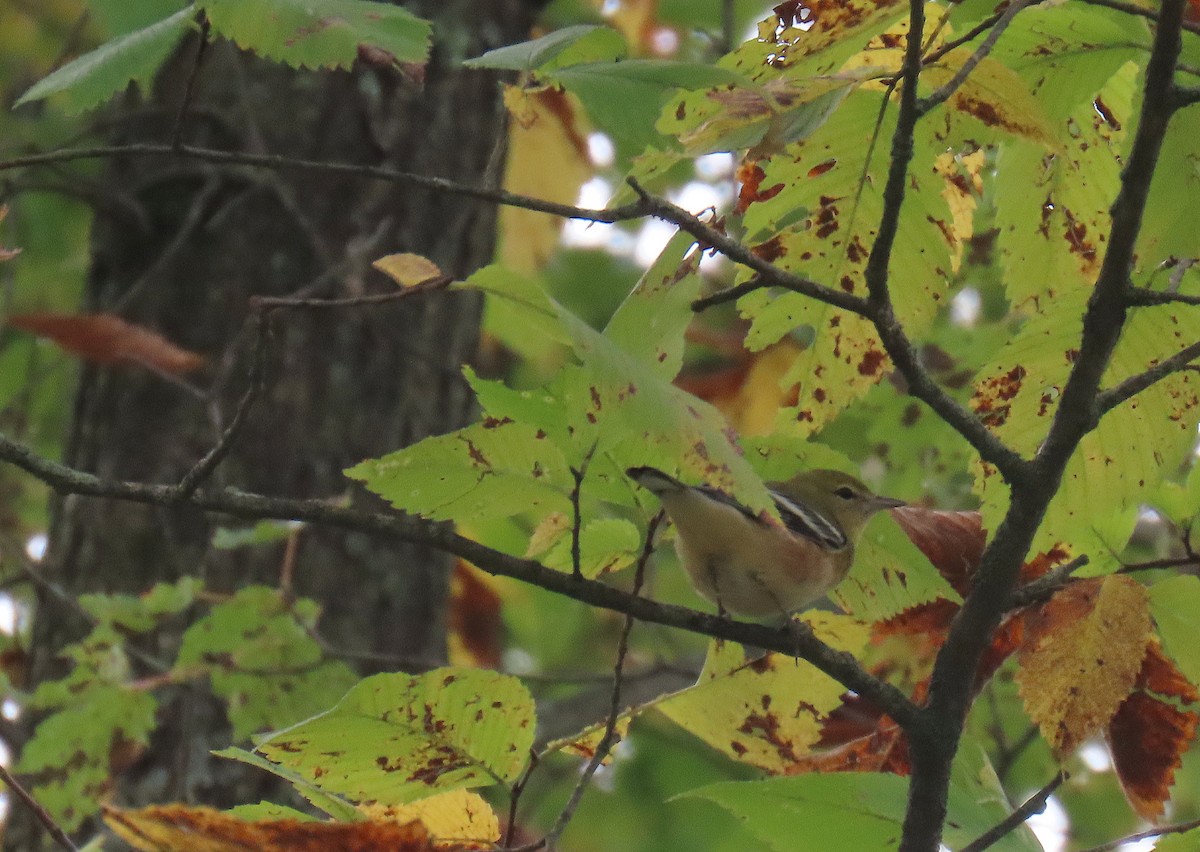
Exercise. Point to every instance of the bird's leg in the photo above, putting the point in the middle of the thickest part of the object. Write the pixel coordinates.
(792, 628)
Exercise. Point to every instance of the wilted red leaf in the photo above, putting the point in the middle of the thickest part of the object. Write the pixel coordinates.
(952, 541)
(1147, 738)
(108, 339)
(175, 828)
(929, 618)
(473, 619)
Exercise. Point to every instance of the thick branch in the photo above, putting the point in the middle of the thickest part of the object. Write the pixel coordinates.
(798, 641)
(935, 739)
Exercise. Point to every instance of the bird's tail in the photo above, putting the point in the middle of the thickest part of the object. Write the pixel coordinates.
(654, 480)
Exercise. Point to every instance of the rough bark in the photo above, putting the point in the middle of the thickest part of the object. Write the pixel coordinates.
(341, 385)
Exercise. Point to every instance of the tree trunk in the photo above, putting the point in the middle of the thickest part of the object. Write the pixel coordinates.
(341, 385)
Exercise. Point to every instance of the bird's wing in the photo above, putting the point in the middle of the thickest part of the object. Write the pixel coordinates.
(808, 522)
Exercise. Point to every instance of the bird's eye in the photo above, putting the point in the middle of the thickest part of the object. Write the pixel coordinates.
(845, 492)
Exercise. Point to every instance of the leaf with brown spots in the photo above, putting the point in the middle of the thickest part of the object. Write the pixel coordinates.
(395, 738)
(1148, 735)
(458, 819)
(1082, 657)
(179, 828)
(767, 711)
(108, 339)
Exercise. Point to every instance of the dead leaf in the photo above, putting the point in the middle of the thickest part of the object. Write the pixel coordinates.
(108, 339)
(1082, 658)
(473, 619)
(1148, 736)
(176, 828)
(408, 269)
(952, 541)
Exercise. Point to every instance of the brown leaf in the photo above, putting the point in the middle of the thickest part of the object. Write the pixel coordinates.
(1082, 658)
(474, 622)
(176, 828)
(1147, 738)
(952, 541)
(108, 339)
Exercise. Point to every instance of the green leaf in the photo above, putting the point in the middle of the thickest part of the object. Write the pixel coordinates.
(320, 33)
(531, 55)
(396, 738)
(262, 660)
(71, 749)
(1175, 605)
(264, 532)
(605, 545)
(94, 77)
(863, 810)
(493, 469)
(335, 806)
(142, 613)
(269, 811)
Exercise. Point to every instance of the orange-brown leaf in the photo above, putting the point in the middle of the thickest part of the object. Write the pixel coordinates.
(1147, 738)
(885, 749)
(176, 828)
(1084, 651)
(1160, 675)
(952, 541)
(108, 339)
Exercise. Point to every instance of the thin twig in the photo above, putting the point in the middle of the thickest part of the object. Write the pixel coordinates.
(1139, 11)
(614, 708)
(1144, 297)
(281, 163)
(265, 303)
(1157, 831)
(186, 101)
(1035, 804)
(578, 473)
(969, 36)
(514, 797)
(943, 92)
(195, 477)
(1109, 399)
(1047, 584)
(41, 813)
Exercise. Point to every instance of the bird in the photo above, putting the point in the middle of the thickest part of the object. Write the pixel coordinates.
(752, 565)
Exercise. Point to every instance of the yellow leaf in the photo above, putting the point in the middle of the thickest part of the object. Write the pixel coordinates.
(585, 743)
(408, 269)
(1082, 658)
(548, 159)
(457, 817)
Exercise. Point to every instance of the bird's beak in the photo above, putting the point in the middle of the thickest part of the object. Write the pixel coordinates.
(881, 503)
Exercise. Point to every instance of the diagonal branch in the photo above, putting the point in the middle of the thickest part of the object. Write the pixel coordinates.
(769, 275)
(1143, 297)
(951, 86)
(797, 640)
(1139, 11)
(1109, 399)
(1035, 804)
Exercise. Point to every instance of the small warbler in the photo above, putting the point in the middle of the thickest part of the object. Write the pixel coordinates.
(753, 565)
